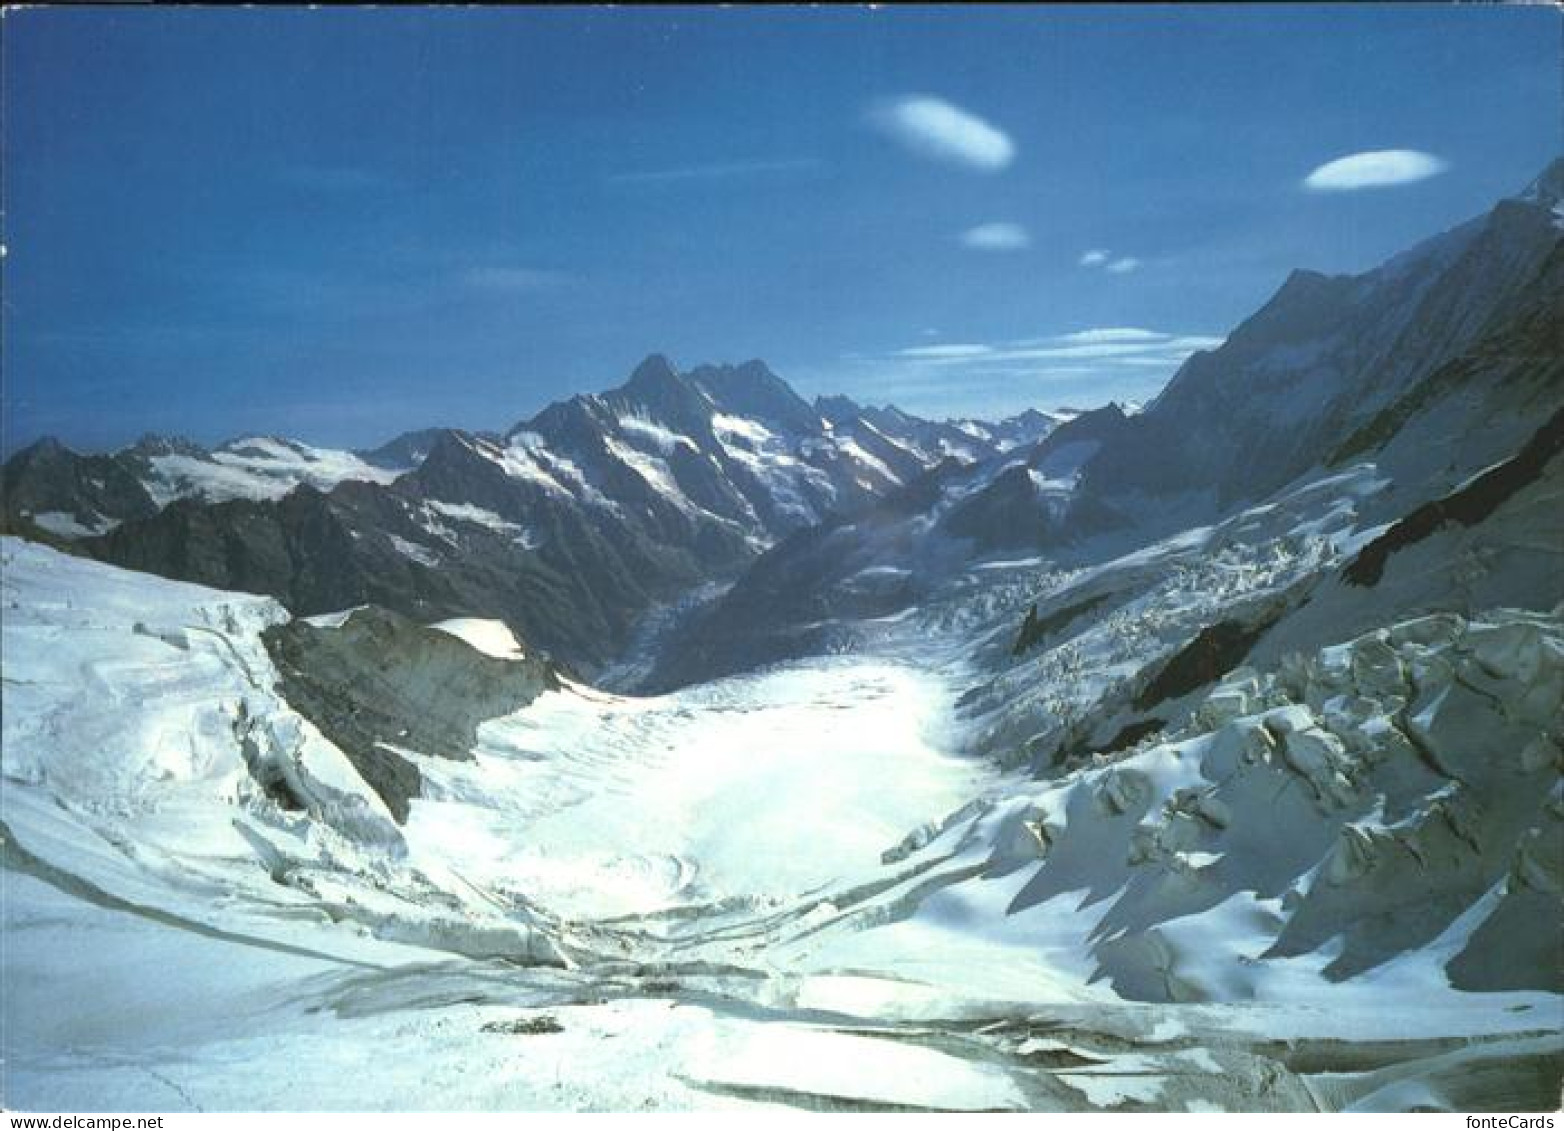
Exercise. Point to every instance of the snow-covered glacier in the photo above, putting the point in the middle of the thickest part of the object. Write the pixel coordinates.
(809, 885)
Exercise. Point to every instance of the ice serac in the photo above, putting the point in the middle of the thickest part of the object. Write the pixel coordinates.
(1382, 796)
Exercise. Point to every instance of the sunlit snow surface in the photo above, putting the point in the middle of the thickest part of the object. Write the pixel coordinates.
(793, 887)
(260, 467)
(749, 791)
(491, 637)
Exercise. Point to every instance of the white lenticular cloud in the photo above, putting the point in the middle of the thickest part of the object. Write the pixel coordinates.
(1100, 349)
(718, 171)
(1113, 334)
(942, 131)
(996, 237)
(1102, 259)
(953, 352)
(1379, 168)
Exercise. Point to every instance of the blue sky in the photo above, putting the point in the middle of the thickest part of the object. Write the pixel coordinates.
(341, 224)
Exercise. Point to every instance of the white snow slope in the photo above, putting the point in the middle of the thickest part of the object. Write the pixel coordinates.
(792, 887)
(260, 467)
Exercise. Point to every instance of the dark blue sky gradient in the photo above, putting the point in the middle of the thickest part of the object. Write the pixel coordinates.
(341, 224)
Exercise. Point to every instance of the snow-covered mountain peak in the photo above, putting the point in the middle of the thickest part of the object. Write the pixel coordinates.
(751, 389)
(157, 444)
(654, 378)
(653, 369)
(657, 391)
(836, 406)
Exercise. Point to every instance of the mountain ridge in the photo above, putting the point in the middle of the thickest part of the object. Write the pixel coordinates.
(568, 525)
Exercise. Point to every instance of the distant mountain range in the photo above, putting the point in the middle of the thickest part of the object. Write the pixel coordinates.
(568, 526)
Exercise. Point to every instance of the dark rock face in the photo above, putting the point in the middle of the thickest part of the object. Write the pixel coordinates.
(295, 549)
(51, 490)
(1013, 514)
(1066, 449)
(380, 680)
(365, 544)
(1466, 507)
(93, 491)
(752, 390)
(1128, 735)
(1036, 629)
(1517, 364)
(1032, 505)
(525, 1026)
(407, 450)
(1213, 653)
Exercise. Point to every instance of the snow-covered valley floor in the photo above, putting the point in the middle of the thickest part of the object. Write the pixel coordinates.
(773, 889)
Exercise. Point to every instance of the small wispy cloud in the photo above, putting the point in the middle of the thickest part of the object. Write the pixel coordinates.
(1377, 168)
(942, 131)
(997, 236)
(1088, 365)
(717, 171)
(1106, 345)
(1100, 258)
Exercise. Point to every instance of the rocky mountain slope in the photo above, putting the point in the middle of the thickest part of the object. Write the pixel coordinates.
(50, 489)
(1327, 354)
